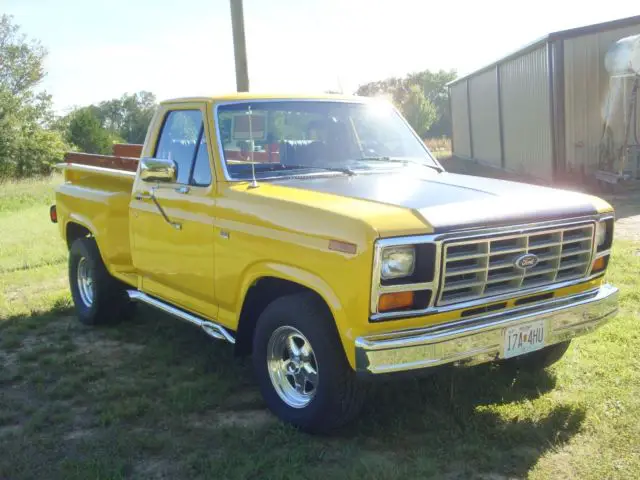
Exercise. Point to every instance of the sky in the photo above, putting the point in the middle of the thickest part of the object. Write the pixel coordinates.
(99, 50)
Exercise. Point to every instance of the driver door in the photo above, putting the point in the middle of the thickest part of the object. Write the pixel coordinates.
(174, 256)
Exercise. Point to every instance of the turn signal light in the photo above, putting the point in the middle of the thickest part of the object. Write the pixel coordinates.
(599, 264)
(395, 301)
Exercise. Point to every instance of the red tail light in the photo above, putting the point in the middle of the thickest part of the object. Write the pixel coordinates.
(53, 214)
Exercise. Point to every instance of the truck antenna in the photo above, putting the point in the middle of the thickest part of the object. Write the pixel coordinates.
(254, 184)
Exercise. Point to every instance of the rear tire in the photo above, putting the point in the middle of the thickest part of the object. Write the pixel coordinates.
(309, 384)
(98, 297)
(540, 359)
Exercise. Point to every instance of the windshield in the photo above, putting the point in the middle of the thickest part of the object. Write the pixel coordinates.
(282, 138)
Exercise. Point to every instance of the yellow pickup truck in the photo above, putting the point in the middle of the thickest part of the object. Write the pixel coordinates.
(321, 237)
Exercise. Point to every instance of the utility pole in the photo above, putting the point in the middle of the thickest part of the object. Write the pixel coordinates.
(239, 46)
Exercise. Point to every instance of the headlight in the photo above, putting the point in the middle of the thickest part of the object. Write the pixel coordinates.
(601, 234)
(604, 234)
(398, 262)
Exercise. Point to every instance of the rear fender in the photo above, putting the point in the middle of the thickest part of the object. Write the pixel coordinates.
(86, 223)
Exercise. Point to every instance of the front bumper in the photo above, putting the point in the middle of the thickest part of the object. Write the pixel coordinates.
(480, 340)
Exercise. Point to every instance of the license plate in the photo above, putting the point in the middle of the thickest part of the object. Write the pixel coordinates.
(523, 339)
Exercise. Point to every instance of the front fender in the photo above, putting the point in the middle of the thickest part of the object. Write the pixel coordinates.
(310, 281)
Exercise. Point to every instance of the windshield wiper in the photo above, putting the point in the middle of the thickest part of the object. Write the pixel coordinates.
(345, 170)
(397, 160)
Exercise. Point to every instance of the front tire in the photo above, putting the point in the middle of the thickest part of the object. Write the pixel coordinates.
(300, 366)
(98, 297)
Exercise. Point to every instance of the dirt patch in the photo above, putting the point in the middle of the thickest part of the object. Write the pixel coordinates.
(628, 228)
(153, 468)
(8, 360)
(245, 400)
(80, 423)
(226, 419)
(105, 351)
(246, 419)
(627, 215)
(79, 434)
(10, 430)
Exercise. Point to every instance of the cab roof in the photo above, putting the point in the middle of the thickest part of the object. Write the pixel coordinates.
(230, 97)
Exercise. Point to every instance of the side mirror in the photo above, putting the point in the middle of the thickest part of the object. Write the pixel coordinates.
(158, 170)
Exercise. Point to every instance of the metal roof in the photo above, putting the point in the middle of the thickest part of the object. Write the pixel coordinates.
(560, 35)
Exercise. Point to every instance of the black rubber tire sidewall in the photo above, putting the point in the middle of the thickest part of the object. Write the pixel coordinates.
(338, 397)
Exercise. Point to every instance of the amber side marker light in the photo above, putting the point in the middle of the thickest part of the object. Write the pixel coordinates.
(395, 301)
(343, 247)
(599, 264)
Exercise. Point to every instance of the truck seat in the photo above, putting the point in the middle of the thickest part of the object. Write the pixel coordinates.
(301, 152)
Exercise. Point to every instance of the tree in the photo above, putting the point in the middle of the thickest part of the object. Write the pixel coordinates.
(433, 86)
(27, 145)
(95, 128)
(393, 87)
(21, 67)
(85, 131)
(418, 110)
(128, 116)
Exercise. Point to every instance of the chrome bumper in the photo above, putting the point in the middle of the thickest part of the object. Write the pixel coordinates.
(480, 340)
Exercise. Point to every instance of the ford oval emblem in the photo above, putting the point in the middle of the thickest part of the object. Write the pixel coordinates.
(525, 261)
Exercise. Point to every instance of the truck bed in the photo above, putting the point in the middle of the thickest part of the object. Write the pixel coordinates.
(96, 195)
(128, 164)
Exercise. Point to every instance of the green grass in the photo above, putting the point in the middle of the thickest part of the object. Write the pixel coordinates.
(16, 196)
(155, 398)
(32, 255)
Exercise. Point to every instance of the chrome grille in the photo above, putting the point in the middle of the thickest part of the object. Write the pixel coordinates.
(474, 269)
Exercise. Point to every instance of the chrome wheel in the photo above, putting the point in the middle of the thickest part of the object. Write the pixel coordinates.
(292, 366)
(85, 282)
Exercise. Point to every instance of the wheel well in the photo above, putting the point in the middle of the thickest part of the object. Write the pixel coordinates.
(263, 291)
(76, 231)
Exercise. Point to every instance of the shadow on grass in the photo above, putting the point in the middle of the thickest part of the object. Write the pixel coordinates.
(156, 397)
(469, 420)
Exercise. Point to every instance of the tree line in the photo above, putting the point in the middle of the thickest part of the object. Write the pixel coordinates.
(422, 97)
(33, 139)
(94, 129)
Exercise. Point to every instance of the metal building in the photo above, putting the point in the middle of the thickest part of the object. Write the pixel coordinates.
(541, 110)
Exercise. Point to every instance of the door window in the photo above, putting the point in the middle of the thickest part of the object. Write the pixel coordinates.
(179, 139)
(201, 168)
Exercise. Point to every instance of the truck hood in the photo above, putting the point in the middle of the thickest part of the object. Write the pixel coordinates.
(448, 201)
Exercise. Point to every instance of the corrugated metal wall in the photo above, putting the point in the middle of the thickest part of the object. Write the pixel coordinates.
(524, 104)
(526, 116)
(485, 122)
(460, 120)
(586, 95)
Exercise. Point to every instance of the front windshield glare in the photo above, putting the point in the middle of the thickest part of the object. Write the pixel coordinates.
(282, 138)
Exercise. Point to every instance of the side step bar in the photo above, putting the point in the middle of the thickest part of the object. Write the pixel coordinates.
(211, 328)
